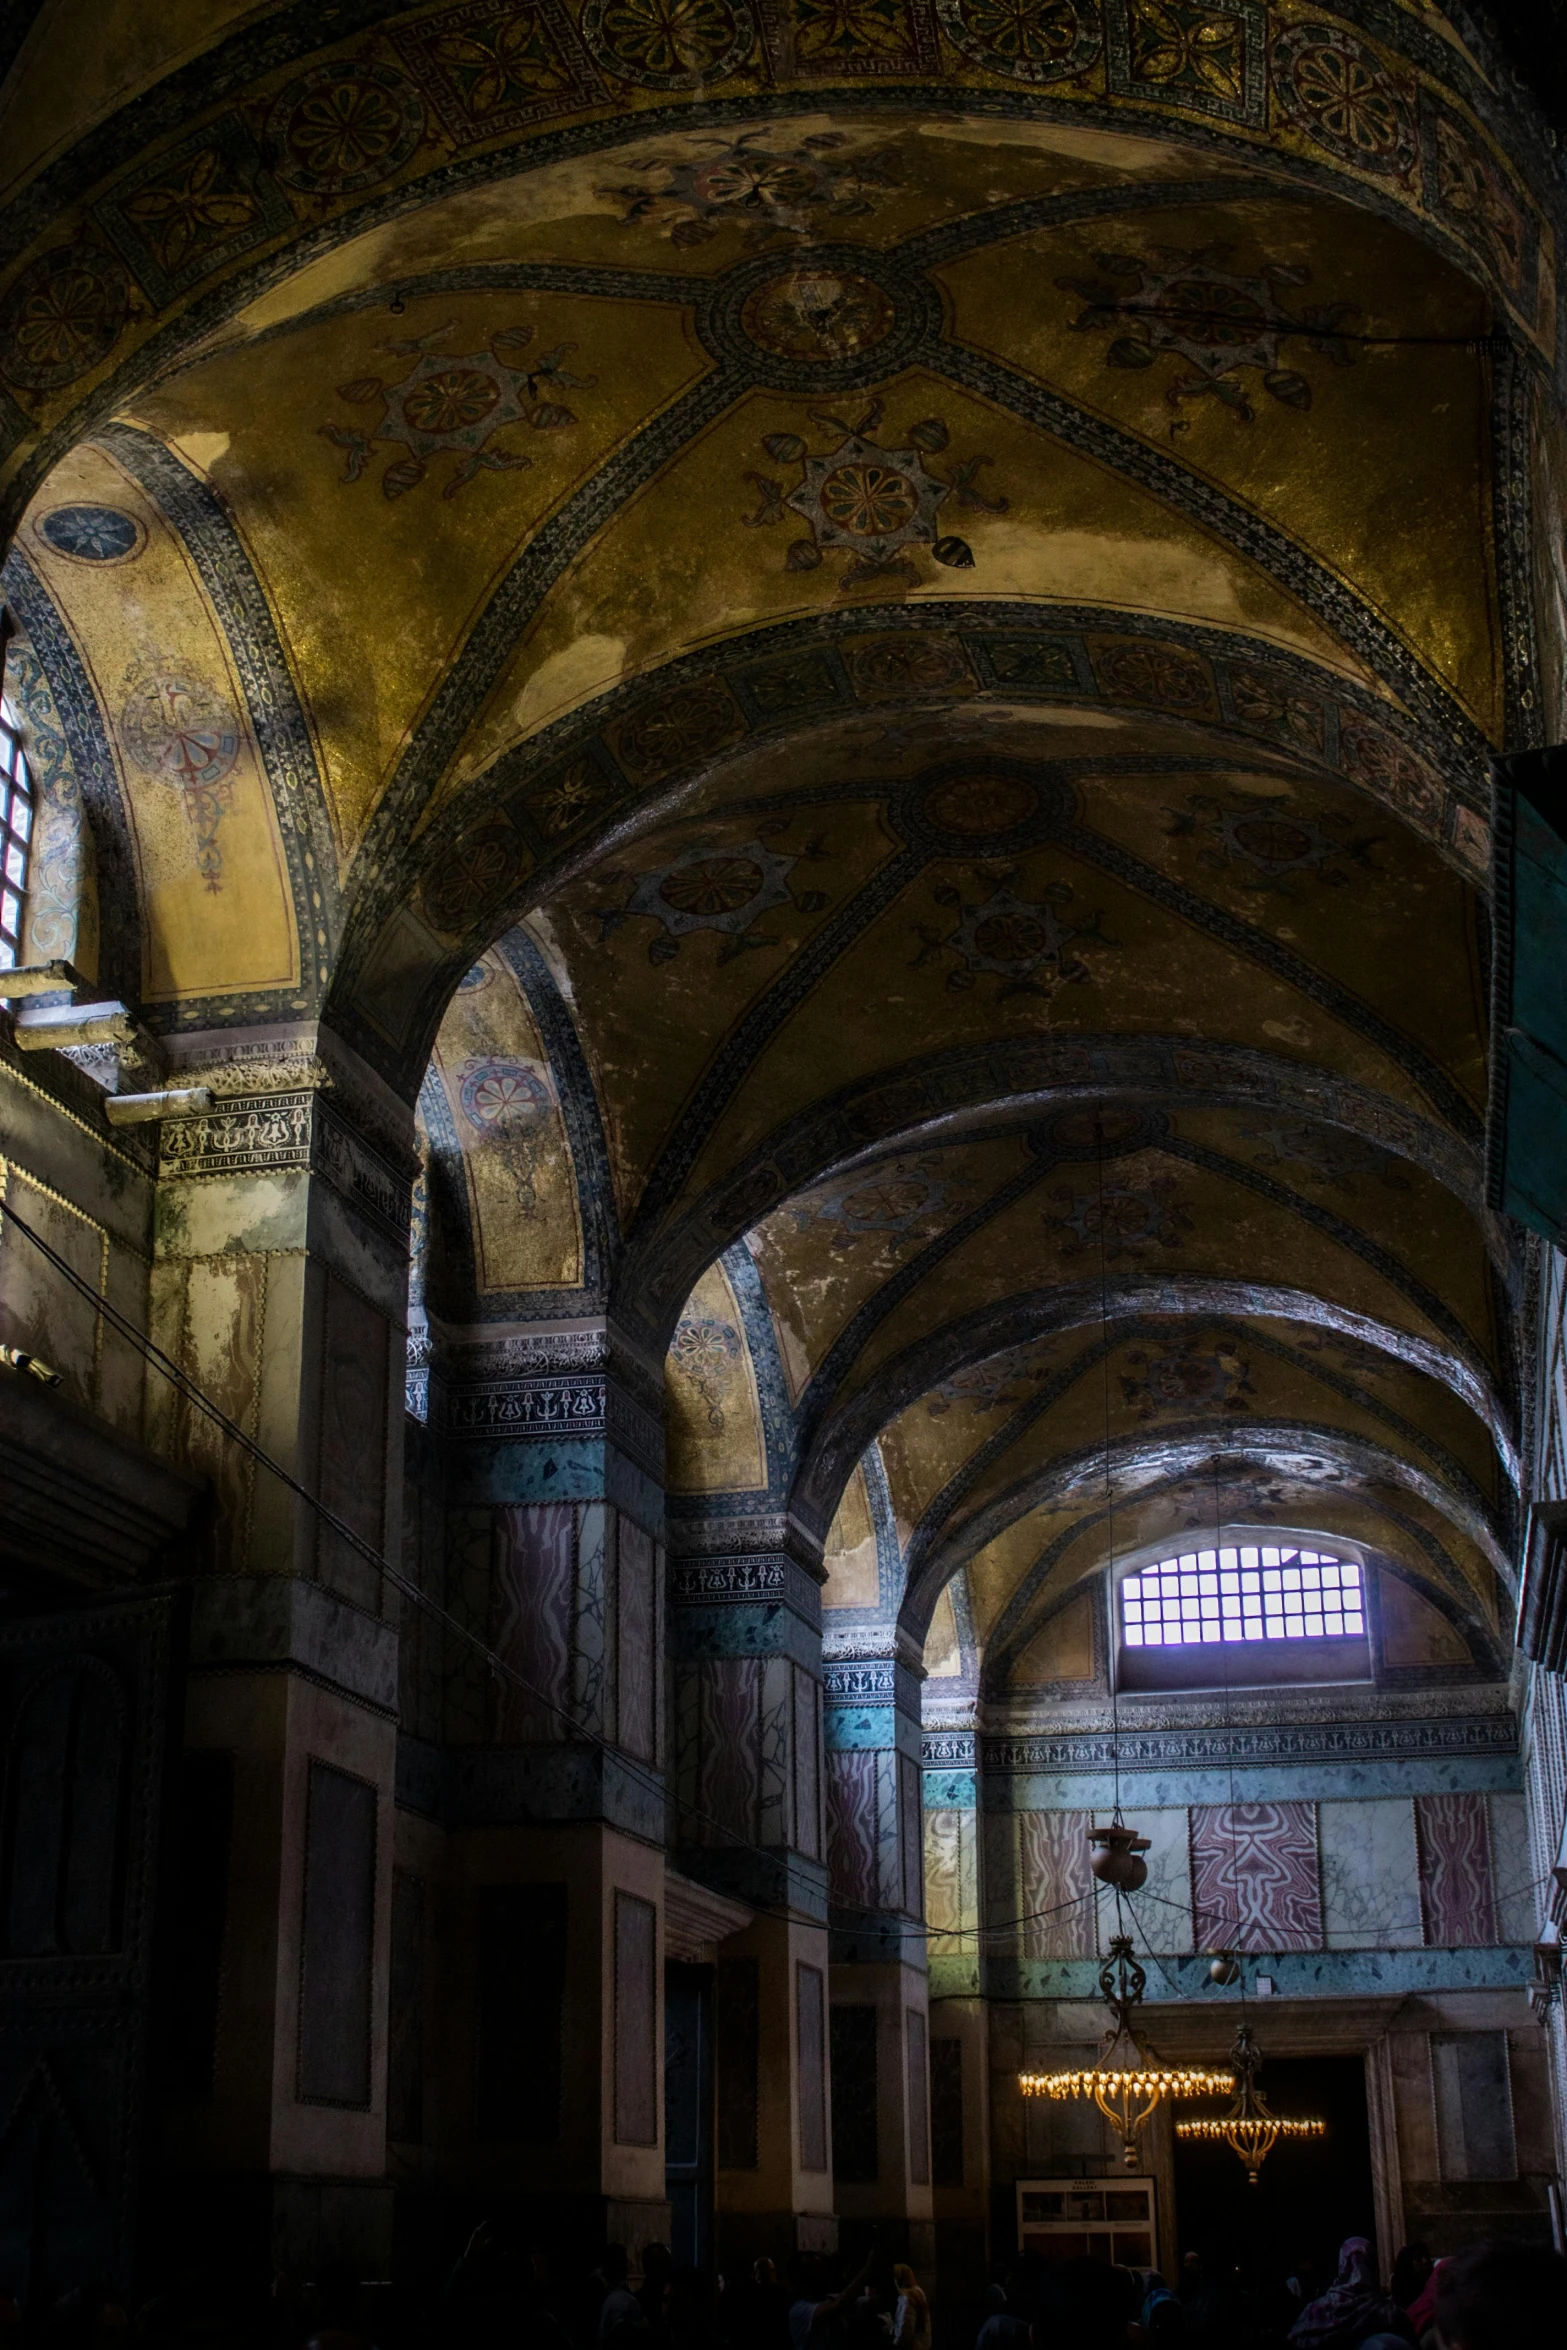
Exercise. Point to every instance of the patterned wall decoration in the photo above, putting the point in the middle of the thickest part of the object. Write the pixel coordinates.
(1199, 58)
(1201, 1372)
(1255, 1876)
(532, 1615)
(729, 890)
(1125, 1221)
(772, 191)
(1268, 848)
(852, 1827)
(813, 671)
(892, 1205)
(1220, 325)
(445, 404)
(858, 498)
(1027, 946)
(1056, 1890)
(1453, 1839)
(745, 1753)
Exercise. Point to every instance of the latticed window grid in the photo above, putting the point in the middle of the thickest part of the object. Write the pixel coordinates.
(16, 833)
(1248, 1593)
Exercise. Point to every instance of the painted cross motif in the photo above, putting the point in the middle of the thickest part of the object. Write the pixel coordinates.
(457, 404)
(714, 887)
(868, 501)
(764, 191)
(1024, 943)
(1190, 305)
(1270, 844)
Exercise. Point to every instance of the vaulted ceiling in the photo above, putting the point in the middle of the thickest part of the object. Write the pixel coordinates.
(882, 622)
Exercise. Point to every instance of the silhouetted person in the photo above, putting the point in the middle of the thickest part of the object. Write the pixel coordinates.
(619, 2313)
(1353, 2308)
(1411, 2271)
(1501, 2297)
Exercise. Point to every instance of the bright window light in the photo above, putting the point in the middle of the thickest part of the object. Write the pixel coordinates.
(16, 833)
(1248, 1593)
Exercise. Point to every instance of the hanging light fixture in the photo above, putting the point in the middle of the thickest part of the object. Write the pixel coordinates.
(1250, 2129)
(1130, 2079)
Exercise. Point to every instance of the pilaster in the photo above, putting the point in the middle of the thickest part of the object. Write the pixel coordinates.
(279, 1285)
(747, 1819)
(880, 1986)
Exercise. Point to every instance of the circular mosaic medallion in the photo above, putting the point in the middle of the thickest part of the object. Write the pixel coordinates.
(845, 320)
(1032, 40)
(669, 44)
(91, 534)
(451, 401)
(912, 664)
(474, 877)
(61, 317)
(714, 885)
(1097, 1130)
(1274, 841)
(1161, 676)
(819, 314)
(687, 724)
(983, 811)
(869, 499)
(181, 730)
(1341, 95)
(890, 1203)
(504, 1096)
(344, 127)
(981, 805)
(1386, 768)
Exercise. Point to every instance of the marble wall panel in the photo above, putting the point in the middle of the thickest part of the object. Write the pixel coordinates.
(1453, 1833)
(531, 1619)
(1518, 1904)
(1256, 1883)
(951, 1880)
(1163, 1909)
(1056, 1886)
(851, 1826)
(1370, 1888)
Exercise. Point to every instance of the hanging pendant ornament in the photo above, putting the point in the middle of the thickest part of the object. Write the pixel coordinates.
(1224, 1967)
(1130, 2079)
(1250, 2129)
(1115, 1856)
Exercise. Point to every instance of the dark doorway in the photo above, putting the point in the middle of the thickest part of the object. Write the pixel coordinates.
(1308, 2198)
(688, 2112)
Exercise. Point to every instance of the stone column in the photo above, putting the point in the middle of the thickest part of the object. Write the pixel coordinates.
(279, 1284)
(960, 2040)
(747, 1819)
(534, 1796)
(880, 1994)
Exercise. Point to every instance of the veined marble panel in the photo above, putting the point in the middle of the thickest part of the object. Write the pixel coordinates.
(1370, 1881)
(1518, 1900)
(1163, 1909)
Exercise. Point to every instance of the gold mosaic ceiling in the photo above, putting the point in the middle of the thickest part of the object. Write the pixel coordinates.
(955, 571)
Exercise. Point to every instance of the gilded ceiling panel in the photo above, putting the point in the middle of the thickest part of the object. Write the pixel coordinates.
(712, 1410)
(1315, 363)
(509, 1135)
(849, 1553)
(787, 506)
(1163, 1210)
(217, 911)
(384, 473)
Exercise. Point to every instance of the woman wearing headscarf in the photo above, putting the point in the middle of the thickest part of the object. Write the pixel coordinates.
(1353, 2308)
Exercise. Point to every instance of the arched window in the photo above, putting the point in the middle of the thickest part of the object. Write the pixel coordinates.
(16, 836)
(1254, 1611)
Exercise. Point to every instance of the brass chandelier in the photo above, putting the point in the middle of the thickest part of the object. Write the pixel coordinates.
(1250, 2129)
(1130, 2079)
